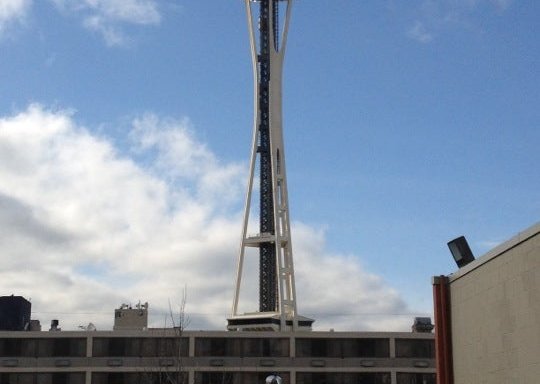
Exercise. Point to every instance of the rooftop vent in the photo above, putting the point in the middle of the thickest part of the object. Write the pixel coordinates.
(422, 325)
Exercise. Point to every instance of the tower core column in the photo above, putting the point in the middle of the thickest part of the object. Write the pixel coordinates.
(277, 293)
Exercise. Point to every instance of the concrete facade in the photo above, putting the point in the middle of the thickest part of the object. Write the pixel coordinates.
(494, 307)
(206, 357)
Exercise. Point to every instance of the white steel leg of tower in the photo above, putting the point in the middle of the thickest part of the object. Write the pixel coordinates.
(279, 302)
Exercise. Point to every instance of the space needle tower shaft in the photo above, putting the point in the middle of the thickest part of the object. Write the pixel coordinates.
(277, 292)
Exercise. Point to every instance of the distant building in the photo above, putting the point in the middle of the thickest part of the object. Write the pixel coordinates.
(127, 318)
(487, 316)
(221, 357)
(14, 313)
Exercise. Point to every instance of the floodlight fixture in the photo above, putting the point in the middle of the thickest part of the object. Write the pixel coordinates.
(461, 251)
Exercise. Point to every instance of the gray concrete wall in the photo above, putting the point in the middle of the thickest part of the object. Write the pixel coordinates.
(495, 311)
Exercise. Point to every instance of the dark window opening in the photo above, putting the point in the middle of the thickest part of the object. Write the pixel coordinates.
(139, 378)
(342, 348)
(416, 378)
(343, 378)
(236, 377)
(241, 347)
(140, 347)
(43, 378)
(416, 348)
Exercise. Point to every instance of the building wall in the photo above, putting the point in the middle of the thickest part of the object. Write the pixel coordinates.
(125, 357)
(495, 315)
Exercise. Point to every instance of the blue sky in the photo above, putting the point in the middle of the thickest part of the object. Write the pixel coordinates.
(407, 123)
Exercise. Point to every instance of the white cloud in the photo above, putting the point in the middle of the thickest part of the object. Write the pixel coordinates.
(420, 33)
(86, 228)
(337, 290)
(12, 11)
(440, 15)
(502, 4)
(108, 17)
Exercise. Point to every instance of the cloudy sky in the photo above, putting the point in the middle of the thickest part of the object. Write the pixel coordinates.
(125, 128)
